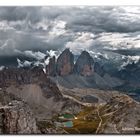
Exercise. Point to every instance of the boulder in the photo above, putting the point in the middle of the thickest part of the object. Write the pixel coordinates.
(17, 118)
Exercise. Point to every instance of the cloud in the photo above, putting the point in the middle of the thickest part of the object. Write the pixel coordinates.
(1, 68)
(23, 63)
(32, 31)
(58, 28)
(52, 53)
(37, 55)
(130, 60)
(8, 48)
(39, 58)
(103, 19)
(77, 19)
(82, 41)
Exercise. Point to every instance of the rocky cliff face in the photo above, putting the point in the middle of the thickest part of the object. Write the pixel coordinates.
(21, 76)
(65, 63)
(51, 67)
(84, 64)
(17, 118)
(98, 69)
(123, 116)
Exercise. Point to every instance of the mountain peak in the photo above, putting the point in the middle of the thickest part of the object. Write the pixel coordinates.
(51, 67)
(85, 53)
(84, 64)
(67, 50)
(65, 63)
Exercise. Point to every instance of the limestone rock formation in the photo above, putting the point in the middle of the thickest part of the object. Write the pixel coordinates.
(98, 69)
(51, 67)
(20, 75)
(84, 64)
(65, 63)
(17, 118)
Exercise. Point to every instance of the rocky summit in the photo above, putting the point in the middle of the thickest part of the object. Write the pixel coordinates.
(51, 67)
(65, 63)
(84, 64)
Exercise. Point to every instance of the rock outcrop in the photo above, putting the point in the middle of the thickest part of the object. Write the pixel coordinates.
(51, 67)
(124, 116)
(99, 69)
(84, 64)
(17, 118)
(65, 63)
(20, 75)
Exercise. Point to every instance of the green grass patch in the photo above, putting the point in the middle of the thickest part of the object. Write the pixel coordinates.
(82, 125)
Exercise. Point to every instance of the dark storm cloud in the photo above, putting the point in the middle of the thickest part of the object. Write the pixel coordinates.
(126, 52)
(20, 13)
(46, 28)
(107, 19)
(95, 19)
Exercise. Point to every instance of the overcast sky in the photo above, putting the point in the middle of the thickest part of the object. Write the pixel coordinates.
(32, 30)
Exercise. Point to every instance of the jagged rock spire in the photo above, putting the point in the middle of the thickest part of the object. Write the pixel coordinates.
(65, 63)
(84, 64)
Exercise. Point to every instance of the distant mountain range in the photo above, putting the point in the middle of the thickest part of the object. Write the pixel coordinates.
(84, 71)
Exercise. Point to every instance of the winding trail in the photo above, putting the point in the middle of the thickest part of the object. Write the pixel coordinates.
(100, 124)
(72, 98)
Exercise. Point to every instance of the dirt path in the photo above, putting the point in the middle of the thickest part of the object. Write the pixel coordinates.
(100, 123)
(72, 98)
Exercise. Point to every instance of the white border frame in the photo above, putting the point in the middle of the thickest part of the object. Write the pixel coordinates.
(68, 2)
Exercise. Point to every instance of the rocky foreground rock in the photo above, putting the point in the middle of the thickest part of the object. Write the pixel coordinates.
(17, 118)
